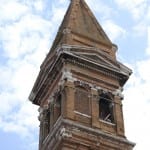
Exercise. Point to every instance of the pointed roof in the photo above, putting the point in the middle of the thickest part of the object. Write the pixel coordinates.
(80, 27)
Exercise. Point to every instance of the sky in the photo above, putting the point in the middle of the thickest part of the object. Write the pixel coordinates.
(27, 30)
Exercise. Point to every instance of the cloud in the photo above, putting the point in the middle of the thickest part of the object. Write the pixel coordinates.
(38, 5)
(101, 9)
(25, 37)
(113, 30)
(136, 7)
(143, 72)
(137, 99)
(17, 82)
(137, 103)
(58, 11)
(142, 25)
(24, 43)
(140, 29)
(11, 10)
(148, 42)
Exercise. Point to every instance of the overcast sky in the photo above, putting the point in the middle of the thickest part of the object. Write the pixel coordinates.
(27, 29)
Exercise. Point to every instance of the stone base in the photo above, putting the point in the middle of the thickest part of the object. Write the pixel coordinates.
(68, 135)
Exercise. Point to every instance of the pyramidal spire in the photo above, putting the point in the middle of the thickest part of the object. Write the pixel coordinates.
(80, 27)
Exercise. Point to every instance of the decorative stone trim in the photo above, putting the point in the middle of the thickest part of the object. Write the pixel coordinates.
(85, 115)
(42, 112)
(82, 84)
(64, 133)
(66, 76)
(51, 99)
(118, 92)
(107, 136)
(106, 122)
(96, 67)
(66, 31)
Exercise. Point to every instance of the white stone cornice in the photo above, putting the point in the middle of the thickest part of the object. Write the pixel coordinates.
(66, 75)
(118, 92)
(64, 133)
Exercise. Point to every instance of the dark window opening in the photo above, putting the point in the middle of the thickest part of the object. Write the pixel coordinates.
(106, 108)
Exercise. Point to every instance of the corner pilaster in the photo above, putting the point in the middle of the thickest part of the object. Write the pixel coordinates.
(119, 116)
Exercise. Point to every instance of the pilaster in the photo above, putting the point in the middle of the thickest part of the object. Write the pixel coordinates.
(95, 107)
(119, 116)
(69, 90)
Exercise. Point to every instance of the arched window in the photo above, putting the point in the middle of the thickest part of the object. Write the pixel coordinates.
(106, 108)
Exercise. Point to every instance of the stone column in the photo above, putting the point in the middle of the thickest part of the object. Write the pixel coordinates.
(46, 123)
(51, 115)
(40, 135)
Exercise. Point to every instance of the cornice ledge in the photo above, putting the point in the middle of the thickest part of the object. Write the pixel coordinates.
(96, 131)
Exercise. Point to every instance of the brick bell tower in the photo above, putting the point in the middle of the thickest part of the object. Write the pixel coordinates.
(79, 88)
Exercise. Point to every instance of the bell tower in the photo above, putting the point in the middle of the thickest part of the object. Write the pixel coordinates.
(79, 87)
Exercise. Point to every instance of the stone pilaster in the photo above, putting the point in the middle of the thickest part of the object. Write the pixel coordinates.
(95, 107)
(119, 116)
(69, 90)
